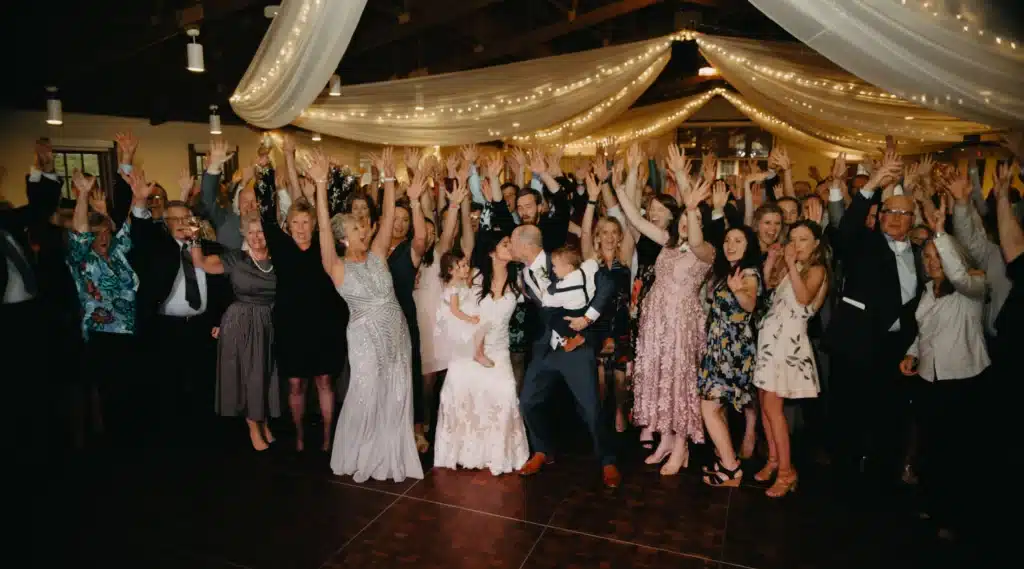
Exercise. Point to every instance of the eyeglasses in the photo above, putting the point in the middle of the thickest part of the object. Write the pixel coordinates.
(898, 212)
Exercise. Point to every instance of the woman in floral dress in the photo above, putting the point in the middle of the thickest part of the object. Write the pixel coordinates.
(726, 374)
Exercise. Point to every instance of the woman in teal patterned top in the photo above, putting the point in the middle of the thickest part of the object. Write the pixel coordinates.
(106, 283)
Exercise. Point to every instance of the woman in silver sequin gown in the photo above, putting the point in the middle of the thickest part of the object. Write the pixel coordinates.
(374, 437)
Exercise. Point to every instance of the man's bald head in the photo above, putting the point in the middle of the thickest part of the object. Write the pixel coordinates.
(897, 216)
(527, 242)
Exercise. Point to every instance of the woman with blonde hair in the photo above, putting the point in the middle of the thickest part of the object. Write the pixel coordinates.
(376, 419)
(308, 314)
(247, 379)
(605, 240)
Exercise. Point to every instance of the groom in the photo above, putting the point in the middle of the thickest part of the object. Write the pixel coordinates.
(550, 362)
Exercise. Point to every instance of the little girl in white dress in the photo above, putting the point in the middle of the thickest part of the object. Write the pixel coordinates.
(459, 309)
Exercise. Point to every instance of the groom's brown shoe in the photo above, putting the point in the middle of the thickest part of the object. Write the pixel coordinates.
(611, 476)
(533, 466)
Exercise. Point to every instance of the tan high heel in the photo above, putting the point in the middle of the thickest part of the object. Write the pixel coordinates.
(785, 482)
(672, 467)
(766, 473)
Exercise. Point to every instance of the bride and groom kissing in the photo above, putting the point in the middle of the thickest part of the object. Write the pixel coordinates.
(570, 295)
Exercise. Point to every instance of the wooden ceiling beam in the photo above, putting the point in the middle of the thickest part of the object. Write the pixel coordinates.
(517, 43)
(421, 17)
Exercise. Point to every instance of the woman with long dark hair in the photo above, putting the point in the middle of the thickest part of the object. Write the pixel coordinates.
(726, 373)
(479, 424)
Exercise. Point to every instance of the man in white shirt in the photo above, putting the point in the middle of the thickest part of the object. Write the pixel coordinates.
(551, 362)
(872, 326)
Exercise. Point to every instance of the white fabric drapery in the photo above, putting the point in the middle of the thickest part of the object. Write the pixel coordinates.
(298, 55)
(807, 91)
(548, 101)
(940, 56)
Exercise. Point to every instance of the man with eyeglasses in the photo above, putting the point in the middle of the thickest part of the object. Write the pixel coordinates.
(872, 327)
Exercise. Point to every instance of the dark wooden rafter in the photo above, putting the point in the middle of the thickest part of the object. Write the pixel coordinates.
(422, 16)
(520, 42)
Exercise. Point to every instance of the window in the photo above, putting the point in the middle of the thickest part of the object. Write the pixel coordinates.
(730, 145)
(99, 163)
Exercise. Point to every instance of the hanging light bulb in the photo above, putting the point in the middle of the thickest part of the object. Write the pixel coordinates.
(707, 72)
(335, 85)
(316, 137)
(54, 112)
(194, 51)
(214, 120)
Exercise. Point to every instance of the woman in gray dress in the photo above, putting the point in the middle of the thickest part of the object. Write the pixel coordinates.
(246, 370)
(374, 437)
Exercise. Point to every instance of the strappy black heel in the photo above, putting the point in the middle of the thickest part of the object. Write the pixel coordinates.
(719, 475)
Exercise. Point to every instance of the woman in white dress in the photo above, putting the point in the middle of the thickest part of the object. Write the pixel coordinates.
(435, 350)
(374, 437)
(479, 425)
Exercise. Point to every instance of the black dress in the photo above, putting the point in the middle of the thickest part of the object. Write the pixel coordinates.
(309, 315)
(403, 275)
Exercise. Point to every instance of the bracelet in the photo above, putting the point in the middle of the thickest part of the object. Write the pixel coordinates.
(386, 180)
(592, 202)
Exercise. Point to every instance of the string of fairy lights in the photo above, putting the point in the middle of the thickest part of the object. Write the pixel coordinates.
(508, 103)
(962, 21)
(284, 56)
(656, 126)
(580, 121)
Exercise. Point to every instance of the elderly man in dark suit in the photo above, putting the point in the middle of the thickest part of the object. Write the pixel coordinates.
(872, 326)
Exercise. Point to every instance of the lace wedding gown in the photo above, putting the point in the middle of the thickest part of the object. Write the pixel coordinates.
(479, 425)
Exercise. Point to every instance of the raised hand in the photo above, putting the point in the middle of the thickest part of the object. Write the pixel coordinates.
(459, 192)
(839, 167)
(618, 172)
(81, 182)
(416, 186)
(676, 160)
(141, 189)
(412, 159)
(697, 195)
(735, 281)
(127, 144)
(790, 255)
(719, 195)
(782, 158)
(185, 182)
(452, 163)
(538, 163)
(554, 160)
(385, 161)
(937, 219)
(814, 174)
(959, 186)
(593, 188)
(813, 211)
(470, 153)
(1003, 177)
(218, 155)
(319, 166)
(634, 156)
(926, 164)
(601, 170)
(288, 146)
(44, 155)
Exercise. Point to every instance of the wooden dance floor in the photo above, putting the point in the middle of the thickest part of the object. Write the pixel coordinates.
(221, 505)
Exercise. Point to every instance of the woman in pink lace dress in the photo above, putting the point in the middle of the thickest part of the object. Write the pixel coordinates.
(672, 335)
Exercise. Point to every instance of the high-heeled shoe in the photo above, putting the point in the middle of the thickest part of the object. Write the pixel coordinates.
(719, 475)
(660, 454)
(766, 473)
(673, 466)
(785, 482)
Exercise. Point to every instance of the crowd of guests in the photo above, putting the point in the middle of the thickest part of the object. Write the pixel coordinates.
(881, 298)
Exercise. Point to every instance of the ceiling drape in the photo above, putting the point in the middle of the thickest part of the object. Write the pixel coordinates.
(943, 55)
(547, 101)
(298, 55)
(807, 91)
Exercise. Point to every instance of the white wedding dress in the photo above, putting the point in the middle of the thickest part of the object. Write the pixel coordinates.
(479, 425)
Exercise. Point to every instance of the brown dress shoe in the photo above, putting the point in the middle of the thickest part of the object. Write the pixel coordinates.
(574, 342)
(533, 466)
(611, 476)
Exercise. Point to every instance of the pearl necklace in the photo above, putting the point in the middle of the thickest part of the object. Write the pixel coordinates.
(257, 263)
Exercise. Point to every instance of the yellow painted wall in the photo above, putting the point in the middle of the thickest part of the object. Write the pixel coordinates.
(163, 149)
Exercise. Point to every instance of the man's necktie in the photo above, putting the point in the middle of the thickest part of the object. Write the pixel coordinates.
(195, 300)
(13, 252)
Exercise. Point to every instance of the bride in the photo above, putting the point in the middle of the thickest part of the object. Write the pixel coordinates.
(478, 424)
